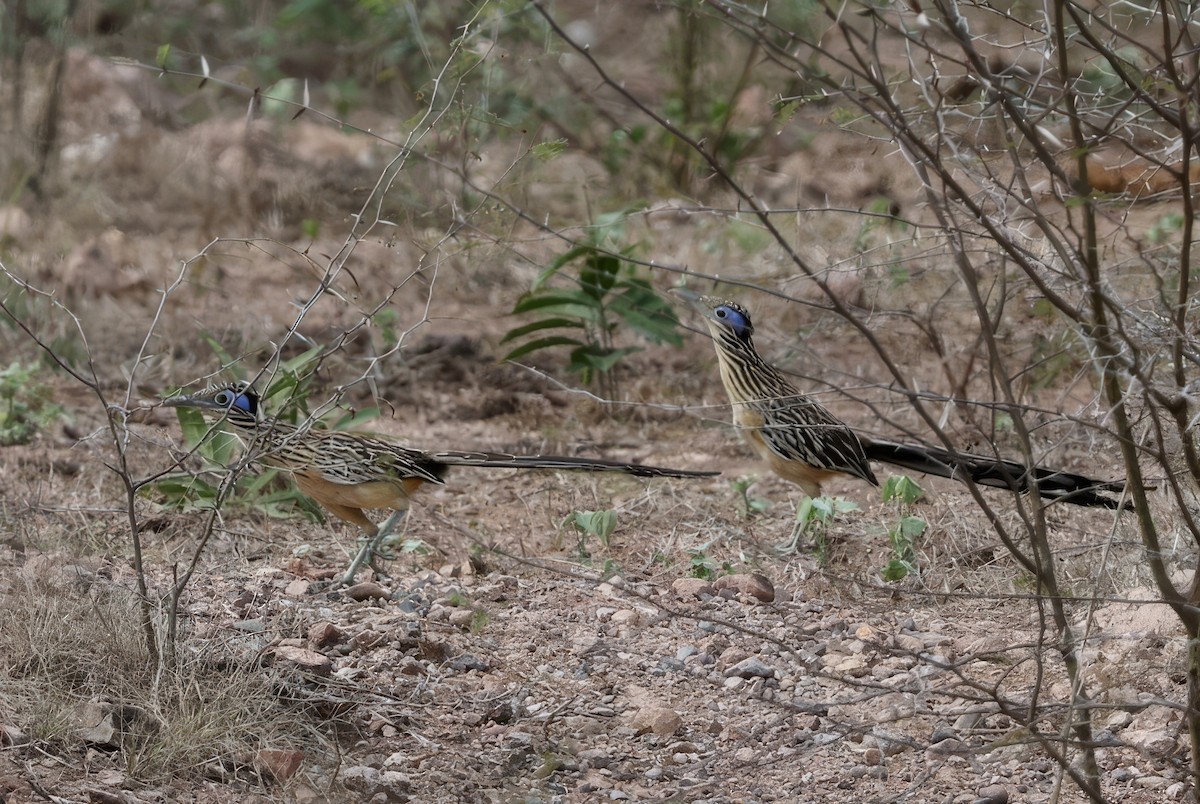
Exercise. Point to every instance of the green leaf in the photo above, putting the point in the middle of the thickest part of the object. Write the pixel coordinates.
(599, 274)
(223, 355)
(354, 421)
(193, 425)
(160, 56)
(600, 524)
(897, 570)
(902, 488)
(912, 527)
(545, 323)
(300, 361)
(655, 327)
(557, 263)
(253, 485)
(558, 298)
(597, 359)
(549, 149)
(221, 447)
(540, 343)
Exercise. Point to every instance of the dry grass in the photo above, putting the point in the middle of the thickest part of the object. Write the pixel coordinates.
(69, 637)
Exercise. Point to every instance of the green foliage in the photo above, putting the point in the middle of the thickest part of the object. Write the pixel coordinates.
(904, 536)
(751, 506)
(905, 533)
(813, 518)
(608, 298)
(903, 489)
(703, 565)
(599, 525)
(1166, 229)
(25, 405)
(549, 149)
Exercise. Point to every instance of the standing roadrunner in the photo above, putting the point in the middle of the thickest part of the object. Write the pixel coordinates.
(347, 472)
(804, 443)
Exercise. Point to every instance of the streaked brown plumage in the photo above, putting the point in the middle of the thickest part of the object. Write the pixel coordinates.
(804, 443)
(348, 473)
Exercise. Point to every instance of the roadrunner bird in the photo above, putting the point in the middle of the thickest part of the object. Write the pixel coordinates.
(804, 443)
(347, 472)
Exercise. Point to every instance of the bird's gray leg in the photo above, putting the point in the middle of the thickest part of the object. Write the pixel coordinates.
(366, 555)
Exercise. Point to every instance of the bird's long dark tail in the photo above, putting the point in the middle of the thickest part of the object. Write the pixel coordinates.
(1051, 483)
(505, 461)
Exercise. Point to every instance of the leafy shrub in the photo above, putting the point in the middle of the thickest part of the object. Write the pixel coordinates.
(609, 297)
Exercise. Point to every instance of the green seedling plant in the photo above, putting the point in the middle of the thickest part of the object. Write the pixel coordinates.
(25, 406)
(904, 535)
(814, 515)
(607, 298)
(751, 506)
(705, 566)
(598, 525)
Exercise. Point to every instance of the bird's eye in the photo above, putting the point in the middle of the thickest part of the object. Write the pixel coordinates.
(224, 398)
(721, 313)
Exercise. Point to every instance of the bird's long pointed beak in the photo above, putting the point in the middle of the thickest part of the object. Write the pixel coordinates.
(695, 301)
(687, 294)
(188, 401)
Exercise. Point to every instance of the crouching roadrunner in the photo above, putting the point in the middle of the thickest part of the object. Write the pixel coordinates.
(804, 443)
(348, 472)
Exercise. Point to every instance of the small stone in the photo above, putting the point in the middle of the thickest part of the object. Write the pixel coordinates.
(751, 667)
(1124, 774)
(103, 733)
(1151, 742)
(461, 618)
(746, 755)
(101, 723)
(595, 758)
(249, 626)
(731, 656)
(660, 720)
(947, 747)
(323, 634)
(365, 640)
(992, 794)
(11, 736)
(753, 584)
(396, 784)
(873, 756)
(279, 764)
(1150, 782)
(1118, 720)
(297, 588)
(688, 588)
(360, 779)
(942, 732)
(304, 659)
(367, 590)
(626, 617)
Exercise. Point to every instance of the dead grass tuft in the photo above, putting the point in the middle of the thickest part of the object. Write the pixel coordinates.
(75, 675)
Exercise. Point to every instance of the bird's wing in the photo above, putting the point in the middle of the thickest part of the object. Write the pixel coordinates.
(799, 429)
